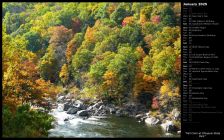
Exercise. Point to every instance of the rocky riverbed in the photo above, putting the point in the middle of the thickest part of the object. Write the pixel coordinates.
(98, 109)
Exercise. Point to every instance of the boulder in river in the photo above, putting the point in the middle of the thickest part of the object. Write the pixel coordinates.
(60, 94)
(89, 108)
(97, 105)
(168, 126)
(118, 112)
(112, 110)
(102, 111)
(82, 113)
(101, 107)
(61, 99)
(72, 110)
(69, 96)
(175, 114)
(67, 106)
(138, 116)
(122, 112)
(80, 106)
(152, 121)
(60, 107)
(78, 102)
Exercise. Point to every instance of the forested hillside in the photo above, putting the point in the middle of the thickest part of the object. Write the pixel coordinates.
(117, 52)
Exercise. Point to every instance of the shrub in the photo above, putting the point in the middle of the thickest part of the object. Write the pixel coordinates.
(25, 122)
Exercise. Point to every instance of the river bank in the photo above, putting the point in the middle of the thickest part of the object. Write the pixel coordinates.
(100, 127)
(69, 109)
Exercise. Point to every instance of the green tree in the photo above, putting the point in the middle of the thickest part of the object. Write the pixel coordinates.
(101, 11)
(167, 14)
(120, 74)
(12, 22)
(51, 63)
(73, 45)
(48, 65)
(67, 13)
(136, 8)
(99, 66)
(147, 65)
(147, 10)
(34, 41)
(131, 35)
(80, 65)
(25, 122)
(85, 13)
(118, 15)
(81, 60)
(109, 43)
(149, 28)
(164, 63)
(164, 38)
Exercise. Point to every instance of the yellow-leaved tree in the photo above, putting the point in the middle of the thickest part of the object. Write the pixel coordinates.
(64, 75)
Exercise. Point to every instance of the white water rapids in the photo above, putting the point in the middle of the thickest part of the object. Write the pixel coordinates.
(95, 126)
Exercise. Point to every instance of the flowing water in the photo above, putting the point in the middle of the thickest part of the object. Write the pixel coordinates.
(110, 126)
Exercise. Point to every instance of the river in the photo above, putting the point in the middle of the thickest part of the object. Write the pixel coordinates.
(110, 126)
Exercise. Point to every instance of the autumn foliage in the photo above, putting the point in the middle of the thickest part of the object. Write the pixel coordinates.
(76, 25)
(128, 21)
(155, 19)
(64, 74)
(155, 103)
(111, 51)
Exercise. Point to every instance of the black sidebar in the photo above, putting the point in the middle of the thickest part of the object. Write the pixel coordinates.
(202, 69)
